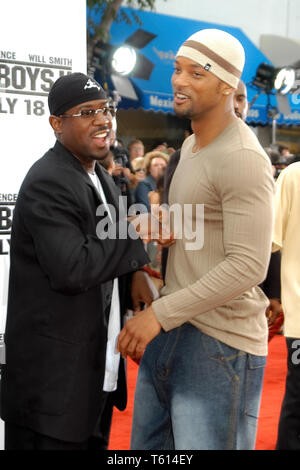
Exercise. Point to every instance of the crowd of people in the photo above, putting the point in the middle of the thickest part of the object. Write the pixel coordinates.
(200, 335)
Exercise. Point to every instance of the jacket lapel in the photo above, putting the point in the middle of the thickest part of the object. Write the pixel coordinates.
(111, 191)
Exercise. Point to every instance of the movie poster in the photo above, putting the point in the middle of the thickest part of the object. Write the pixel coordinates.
(39, 42)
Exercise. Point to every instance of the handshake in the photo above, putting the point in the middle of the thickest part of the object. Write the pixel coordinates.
(144, 326)
(151, 227)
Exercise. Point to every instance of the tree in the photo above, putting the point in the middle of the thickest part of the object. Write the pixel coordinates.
(108, 11)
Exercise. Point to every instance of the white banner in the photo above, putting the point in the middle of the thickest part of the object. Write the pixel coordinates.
(39, 42)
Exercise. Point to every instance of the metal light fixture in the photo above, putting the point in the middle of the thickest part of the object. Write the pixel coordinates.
(274, 81)
(124, 60)
(119, 64)
(285, 80)
(265, 76)
(142, 67)
(268, 78)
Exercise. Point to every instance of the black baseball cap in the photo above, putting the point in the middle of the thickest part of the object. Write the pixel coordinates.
(71, 90)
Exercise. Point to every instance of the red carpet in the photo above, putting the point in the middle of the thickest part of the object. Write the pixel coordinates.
(273, 391)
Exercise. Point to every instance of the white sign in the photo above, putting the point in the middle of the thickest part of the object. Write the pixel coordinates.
(39, 42)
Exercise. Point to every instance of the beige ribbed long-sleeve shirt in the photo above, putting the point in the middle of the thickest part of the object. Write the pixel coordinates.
(286, 237)
(215, 287)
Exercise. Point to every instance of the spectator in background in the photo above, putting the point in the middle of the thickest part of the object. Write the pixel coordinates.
(286, 238)
(120, 154)
(154, 250)
(273, 156)
(155, 165)
(156, 196)
(138, 167)
(240, 101)
(161, 147)
(164, 147)
(279, 162)
(136, 149)
(121, 169)
(284, 151)
(170, 151)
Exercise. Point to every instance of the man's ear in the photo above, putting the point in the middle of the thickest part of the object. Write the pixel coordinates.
(56, 124)
(227, 90)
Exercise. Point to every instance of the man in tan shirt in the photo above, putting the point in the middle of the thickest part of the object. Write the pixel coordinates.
(286, 238)
(200, 379)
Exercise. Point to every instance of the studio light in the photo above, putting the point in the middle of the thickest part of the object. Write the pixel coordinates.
(124, 60)
(284, 80)
(278, 82)
(268, 78)
(265, 76)
(137, 41)
(116, 66)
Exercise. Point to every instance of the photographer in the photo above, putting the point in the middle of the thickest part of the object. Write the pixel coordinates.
(122, 171)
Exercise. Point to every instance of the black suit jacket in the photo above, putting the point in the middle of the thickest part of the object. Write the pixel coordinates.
(59, 299)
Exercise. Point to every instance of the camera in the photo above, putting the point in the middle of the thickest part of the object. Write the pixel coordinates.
(120, 156)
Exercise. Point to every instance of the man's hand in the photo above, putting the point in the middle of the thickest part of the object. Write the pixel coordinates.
(153, 197)
(150, 228)
(128, 174)
(118, 169)
(143, 291)
(273, 311)
(137, 334)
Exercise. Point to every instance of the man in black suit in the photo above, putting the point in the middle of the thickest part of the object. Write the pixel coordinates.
(68, 280)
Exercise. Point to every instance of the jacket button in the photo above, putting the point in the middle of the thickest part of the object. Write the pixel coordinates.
(134, 264)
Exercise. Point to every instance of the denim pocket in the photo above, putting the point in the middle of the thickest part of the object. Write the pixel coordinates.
(230, 359)
(255, 362)
(254, 381)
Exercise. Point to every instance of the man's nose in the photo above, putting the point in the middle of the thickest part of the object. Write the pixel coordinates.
(179, 80)
(103, 119)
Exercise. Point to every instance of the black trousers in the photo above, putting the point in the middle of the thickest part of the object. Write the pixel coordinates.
(289, 422)
(20, 438)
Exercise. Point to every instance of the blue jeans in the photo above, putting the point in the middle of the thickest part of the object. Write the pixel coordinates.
(195, 393)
